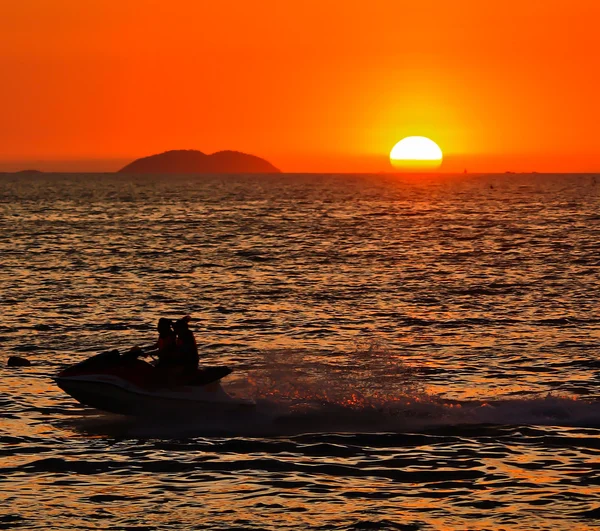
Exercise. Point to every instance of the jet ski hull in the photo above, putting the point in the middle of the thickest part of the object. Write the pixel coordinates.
(118, 384)
(118, 397)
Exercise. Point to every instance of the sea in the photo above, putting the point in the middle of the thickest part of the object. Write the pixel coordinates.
(423, 350)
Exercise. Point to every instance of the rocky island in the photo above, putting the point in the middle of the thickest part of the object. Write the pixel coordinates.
(183, 161)
(28, 172)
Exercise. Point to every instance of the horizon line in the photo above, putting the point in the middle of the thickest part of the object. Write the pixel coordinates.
(423, 173)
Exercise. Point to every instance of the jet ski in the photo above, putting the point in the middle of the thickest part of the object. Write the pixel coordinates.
(123, 384)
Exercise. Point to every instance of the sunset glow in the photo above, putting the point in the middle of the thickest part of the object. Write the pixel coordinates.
(300, 264)
(97, 84)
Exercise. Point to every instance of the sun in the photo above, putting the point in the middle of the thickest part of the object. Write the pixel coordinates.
(416, 153)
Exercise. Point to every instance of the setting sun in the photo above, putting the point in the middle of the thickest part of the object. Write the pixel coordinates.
(416, 152)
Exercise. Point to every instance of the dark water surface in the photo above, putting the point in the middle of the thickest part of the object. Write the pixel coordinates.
(424, 351)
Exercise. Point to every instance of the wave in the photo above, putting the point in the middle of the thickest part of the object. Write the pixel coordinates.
(410, 415)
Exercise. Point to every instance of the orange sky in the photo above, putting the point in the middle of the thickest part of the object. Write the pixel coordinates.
(311, 85)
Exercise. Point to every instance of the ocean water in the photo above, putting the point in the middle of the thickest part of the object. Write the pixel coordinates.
(424, 351)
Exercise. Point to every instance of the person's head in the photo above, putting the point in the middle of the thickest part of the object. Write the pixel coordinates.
(164, 326)
(181, 325)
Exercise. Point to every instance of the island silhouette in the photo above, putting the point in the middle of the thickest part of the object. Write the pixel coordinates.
(28, 172)
(194, 161)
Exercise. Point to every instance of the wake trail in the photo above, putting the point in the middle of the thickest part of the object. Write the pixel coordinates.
(370, 390)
